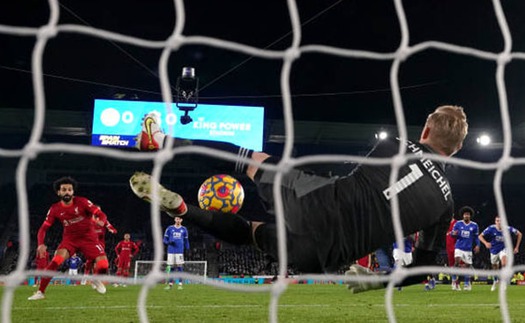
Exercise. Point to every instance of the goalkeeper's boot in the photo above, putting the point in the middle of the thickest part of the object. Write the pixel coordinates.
(36, 296)
(99, 286)
(151, 136)
(362, 286)
(170, 202)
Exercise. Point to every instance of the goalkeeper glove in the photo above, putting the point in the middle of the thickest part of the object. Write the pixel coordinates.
(362, 286)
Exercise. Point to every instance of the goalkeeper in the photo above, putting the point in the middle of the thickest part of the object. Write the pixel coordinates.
(332, 221)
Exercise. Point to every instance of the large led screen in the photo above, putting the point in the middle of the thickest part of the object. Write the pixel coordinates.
(116, 123)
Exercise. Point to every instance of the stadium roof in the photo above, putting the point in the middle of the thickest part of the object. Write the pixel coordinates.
(79, 67)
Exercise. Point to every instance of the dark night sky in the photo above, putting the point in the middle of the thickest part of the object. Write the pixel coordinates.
(80, 68)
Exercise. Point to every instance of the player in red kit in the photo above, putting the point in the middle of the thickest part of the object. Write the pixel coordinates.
(125, 250)
(76, 214)
(100, 230)
(41, 262)
(451, 242)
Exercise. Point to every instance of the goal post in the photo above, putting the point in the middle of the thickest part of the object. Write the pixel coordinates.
(143, 267)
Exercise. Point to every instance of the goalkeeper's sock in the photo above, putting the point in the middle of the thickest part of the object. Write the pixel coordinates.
(228, 227)
(240, 165)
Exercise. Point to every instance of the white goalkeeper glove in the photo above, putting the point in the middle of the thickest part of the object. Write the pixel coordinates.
(362, 286)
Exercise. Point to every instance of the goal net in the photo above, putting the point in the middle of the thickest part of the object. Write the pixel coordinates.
(196, 268)
(295, 52)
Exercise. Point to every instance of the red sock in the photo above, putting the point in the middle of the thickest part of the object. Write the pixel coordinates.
(101, 267)
(53, 265)
(88, 267)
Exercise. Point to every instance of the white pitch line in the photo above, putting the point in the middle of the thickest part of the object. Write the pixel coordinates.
(248, 306)
(155, 306)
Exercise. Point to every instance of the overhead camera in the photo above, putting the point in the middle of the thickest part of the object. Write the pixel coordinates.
(187, 88)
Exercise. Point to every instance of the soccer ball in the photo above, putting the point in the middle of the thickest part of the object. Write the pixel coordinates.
(221, 193)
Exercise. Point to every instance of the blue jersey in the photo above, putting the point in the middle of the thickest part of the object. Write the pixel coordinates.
(74, 263)
(467, 235)
(408, 242)
(176, 239)
(495, 237)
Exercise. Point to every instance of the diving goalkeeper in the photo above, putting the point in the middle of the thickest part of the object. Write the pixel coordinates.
(332, 221)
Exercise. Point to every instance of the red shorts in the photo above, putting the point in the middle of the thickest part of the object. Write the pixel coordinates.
(124, 263)
(90, 248)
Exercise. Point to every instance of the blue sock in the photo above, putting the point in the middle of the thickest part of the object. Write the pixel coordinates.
(168, 270)
(179, 269)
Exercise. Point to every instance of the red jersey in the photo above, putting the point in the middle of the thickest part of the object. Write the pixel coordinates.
(100, 230)
(76, 218)
(125, 249)
(364, 261)
(451, 240)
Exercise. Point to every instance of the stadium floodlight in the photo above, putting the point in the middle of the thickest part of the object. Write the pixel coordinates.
(483, 140)
(382, 135)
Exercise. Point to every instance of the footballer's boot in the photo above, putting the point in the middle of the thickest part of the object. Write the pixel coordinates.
(151, 136)
(36, 296)
(362, 286)
(99, 286)
(455, 285)
(170, 202)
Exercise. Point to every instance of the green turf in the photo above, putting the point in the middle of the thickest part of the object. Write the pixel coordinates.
(300, 303)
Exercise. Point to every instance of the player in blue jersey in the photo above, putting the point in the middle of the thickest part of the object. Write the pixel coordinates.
(403, 257)
(176, 238)
(74, 263)
(466, 231)
(332, 221)
(492, 238)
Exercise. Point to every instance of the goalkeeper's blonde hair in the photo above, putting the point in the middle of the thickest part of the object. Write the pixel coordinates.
(448, 128)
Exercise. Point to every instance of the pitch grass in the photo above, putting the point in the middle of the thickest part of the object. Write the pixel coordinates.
(300, 303)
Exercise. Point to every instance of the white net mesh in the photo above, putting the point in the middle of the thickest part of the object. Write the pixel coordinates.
(404, 52)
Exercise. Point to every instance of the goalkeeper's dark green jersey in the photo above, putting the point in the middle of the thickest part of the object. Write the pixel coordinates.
(345, 218)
